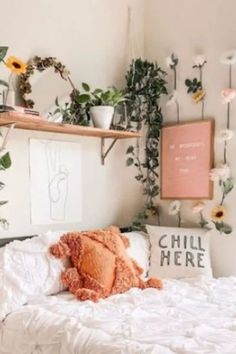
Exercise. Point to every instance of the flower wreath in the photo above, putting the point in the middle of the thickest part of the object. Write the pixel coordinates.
(40, 64)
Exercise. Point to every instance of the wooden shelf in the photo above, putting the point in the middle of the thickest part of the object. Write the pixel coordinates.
(28, 122)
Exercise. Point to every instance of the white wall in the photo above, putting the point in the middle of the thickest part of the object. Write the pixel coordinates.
(187, 27)
(90, 37)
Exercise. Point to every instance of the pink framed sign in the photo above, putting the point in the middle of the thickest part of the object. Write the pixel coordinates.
(186, 160)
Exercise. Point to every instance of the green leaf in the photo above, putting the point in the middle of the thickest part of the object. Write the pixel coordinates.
(5, 161)
(139, 177)
(190, 90)
(129, 161)
(85, 87)
(130, 150)
(84, 98)
(228, 186)
(3, 52)
(4, 83)
(57, 102)
(97, 91)
(188, 82)
(223, 228)
(3, 202)
(227, 229)
(4, 223)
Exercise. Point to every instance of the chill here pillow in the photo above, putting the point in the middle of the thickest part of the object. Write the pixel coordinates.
(179, 252)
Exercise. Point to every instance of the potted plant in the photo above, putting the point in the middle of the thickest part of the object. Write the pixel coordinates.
(102, 104)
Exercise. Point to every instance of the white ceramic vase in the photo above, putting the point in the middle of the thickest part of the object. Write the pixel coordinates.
(102, 116)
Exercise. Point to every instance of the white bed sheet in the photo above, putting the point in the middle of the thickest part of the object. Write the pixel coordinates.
(187, 317)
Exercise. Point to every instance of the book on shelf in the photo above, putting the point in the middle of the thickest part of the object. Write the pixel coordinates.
(18, 109)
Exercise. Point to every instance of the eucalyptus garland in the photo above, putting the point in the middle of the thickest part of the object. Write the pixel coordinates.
(145, 84)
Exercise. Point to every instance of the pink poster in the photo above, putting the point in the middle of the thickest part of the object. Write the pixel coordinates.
(186, 160)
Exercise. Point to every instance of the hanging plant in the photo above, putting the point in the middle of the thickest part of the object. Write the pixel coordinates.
(195, 86)
(172, 63)
(222, 172)
(145, 84)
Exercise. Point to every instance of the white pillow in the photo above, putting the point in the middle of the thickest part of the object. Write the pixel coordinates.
(178, 252)
(27, 269)
(139, 250)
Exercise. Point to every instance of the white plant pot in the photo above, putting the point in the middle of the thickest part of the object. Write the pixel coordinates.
(102, 116)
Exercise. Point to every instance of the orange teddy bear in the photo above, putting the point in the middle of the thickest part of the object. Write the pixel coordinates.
(100, 265)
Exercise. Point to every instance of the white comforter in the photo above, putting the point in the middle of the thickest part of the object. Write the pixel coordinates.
(187, 317)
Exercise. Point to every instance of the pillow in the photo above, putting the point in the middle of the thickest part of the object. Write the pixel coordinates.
(100, 264)
(139, 250)
(27, 269)
(179, 252)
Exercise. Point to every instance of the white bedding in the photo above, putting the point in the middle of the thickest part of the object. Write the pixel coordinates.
(187, 317)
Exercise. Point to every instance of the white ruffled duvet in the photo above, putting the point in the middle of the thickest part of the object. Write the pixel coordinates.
(187, 317)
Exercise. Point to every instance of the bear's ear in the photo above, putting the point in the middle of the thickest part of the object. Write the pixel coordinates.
(60, 250)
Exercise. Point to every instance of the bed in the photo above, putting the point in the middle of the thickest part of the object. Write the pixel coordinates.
(191, 316)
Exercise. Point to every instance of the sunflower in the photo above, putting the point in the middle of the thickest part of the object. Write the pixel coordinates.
(198, 96)
(16, 65)
(218, 214)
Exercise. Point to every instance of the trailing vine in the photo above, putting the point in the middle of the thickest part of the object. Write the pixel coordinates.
(145, 84)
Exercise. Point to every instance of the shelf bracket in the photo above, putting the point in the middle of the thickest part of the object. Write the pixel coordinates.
(104, 152)
(10, 127)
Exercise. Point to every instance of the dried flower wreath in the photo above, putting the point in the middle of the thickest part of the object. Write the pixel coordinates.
(40, 64)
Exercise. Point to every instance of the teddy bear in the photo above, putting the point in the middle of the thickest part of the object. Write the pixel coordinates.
(100, 266)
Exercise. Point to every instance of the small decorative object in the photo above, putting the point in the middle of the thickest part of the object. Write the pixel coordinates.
(145, 85)
(222, 172)
(172, 62)
(186, 160)
(16, 67)
(198, 209)
(195, 86)
(174, 209)
(120, 120)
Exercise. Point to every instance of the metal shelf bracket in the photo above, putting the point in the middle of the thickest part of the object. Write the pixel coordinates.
(10, 127)
(104, 152)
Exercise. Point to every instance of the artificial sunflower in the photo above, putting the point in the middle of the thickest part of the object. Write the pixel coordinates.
(16, 65)
(198, 96)
(218, 214)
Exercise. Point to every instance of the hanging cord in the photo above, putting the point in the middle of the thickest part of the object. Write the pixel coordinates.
(134, 51)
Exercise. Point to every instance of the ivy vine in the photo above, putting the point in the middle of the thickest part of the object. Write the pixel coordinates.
(145, 84)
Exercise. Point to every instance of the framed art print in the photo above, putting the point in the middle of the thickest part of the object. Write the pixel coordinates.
(186, 160)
